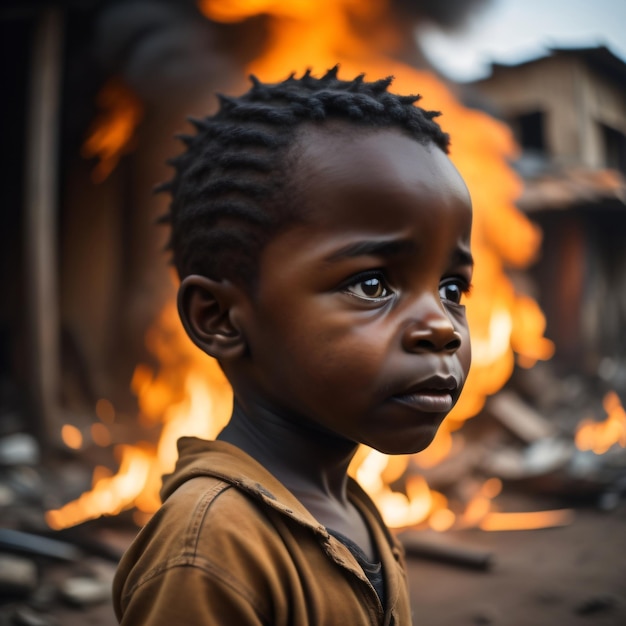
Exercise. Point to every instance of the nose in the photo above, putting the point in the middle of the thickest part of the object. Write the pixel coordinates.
(431, 333)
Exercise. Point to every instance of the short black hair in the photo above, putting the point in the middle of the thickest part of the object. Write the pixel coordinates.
(229, 190)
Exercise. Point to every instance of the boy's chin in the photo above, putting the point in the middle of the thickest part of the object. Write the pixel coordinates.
(407, 445)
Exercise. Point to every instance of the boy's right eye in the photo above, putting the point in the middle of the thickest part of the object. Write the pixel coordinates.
(372, 286)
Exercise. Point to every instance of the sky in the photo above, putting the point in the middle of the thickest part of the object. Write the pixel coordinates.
(511, 31)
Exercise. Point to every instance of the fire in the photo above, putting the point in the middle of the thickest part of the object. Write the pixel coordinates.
(178, 399)
(423, 507)
(481, 513)
(189, 395)
(112, 132)
(110, 494)
(601, 436)
(527, 521)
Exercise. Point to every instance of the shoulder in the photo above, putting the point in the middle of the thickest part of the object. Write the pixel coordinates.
(209, 534)
(197, 519)
(213, 517)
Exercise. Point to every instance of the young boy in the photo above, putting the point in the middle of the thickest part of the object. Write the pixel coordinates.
(322, 237)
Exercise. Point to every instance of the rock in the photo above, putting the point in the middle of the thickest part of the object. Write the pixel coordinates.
(19, 449)
(85, 591)
(18, 576)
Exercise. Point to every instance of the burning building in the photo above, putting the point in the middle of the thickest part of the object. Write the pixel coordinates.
(159, 63)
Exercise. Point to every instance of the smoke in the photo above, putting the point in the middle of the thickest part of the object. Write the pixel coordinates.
(447, 14)
(163, 49)
(166, 49)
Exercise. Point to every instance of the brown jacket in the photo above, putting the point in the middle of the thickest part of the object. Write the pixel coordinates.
(232, 546)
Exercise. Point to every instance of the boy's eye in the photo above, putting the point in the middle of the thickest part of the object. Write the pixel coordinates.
(453, 289)
(372, 287)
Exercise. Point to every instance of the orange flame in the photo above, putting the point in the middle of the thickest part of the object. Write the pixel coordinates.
(112, 131)
(527, 521)
(179, 399)
(189, 394)
(480, 513)
(111, 494)
(601, 436)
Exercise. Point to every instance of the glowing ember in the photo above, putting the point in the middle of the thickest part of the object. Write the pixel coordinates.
(442, 520)
(105, 411)
(601, 436)
(527, 521)
(100, 435)
(71, 436)
(189, 395)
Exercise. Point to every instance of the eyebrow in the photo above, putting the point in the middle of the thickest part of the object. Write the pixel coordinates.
(463, 257)
(392, 248)
(375, 248)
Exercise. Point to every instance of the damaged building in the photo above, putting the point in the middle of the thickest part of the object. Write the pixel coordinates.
(568, 112)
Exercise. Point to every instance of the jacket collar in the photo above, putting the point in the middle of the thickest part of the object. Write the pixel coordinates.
(219, 459)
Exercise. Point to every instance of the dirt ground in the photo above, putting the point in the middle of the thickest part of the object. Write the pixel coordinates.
(568, 576)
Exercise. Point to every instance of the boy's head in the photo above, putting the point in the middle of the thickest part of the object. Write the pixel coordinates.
(324, 261)
(233, 188)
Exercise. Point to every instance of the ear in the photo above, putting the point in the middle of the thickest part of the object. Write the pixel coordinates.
(207, 309)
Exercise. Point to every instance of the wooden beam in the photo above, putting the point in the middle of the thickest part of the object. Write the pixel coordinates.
(40, 225)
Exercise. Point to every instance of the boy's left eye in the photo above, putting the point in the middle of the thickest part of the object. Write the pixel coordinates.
(452, 290)
(372, 287)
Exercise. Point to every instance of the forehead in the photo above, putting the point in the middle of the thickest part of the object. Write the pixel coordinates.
(344, 174)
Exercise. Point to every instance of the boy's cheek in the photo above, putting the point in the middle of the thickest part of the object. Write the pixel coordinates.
(464, 353)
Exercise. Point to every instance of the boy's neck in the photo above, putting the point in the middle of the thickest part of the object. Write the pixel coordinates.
(311, 463)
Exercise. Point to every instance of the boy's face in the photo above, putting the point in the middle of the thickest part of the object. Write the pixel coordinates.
(356, 326)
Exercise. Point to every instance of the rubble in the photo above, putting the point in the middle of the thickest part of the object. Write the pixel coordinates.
(526, 443)
(42, 571)
(519, 417)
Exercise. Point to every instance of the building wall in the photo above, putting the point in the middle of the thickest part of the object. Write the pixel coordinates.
(574, 98)
(602, 102)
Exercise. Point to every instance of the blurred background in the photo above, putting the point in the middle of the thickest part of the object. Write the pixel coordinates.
(97, 380)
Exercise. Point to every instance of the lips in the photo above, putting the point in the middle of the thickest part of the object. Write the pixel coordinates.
(432, 395)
